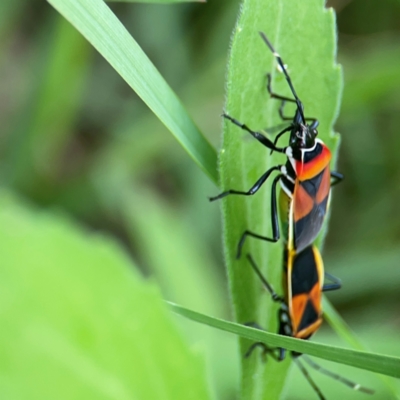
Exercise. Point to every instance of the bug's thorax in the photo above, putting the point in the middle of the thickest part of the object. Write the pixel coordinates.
(285, 324)
(309, 161)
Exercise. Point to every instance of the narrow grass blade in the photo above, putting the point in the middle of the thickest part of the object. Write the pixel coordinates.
(382, 364)
(105, 32)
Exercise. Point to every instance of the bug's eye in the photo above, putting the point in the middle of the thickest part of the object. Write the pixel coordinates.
(314, 132)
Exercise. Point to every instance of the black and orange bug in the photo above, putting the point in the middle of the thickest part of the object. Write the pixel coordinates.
(305, 178)
(300, 314)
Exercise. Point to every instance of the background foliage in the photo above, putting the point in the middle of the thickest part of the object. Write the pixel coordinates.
(76, 139)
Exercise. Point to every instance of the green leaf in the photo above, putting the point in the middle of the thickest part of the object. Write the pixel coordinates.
(105, 32)
(382, 364)
(77, 320)
(304, 35)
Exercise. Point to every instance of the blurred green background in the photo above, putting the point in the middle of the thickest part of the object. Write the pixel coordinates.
(75, 138)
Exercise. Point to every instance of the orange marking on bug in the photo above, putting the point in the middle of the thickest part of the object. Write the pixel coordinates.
(302, 202)
(324, 187)
(298, 305)
(310, 330)
(315, 297)
(312, 168)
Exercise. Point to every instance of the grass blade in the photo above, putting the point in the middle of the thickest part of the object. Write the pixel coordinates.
(382, 364)
(104, 31)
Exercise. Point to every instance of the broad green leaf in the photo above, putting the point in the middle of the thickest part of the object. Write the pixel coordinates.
(304, 35)
(104, 31)
(78, 322)
(382, 364)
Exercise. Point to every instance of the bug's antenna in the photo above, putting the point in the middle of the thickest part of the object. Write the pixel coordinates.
(345, 381)
(289, 81)
(309, 379)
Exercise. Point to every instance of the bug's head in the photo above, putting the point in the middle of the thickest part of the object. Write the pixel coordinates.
(303, 135)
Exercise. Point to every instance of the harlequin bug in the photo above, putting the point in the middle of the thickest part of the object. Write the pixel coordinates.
(305, 178)
(300, 314)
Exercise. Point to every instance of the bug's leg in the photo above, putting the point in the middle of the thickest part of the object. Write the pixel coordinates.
(274, 220)
(253, 189)
(275, 297)
(313, 124)
(284, 99)
(337, 177)
(256, 344)
(257, 135)
(253, 347)
(336, 283)
(254, 325)
(309, 379)
(345, 381)
(280, 111)
(267, 285)
(289, 81)
(277, 96)
(288, 129)
(265, 351)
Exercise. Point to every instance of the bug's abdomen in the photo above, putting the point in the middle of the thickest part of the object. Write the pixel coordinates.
(306, 273)
(310, 203)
